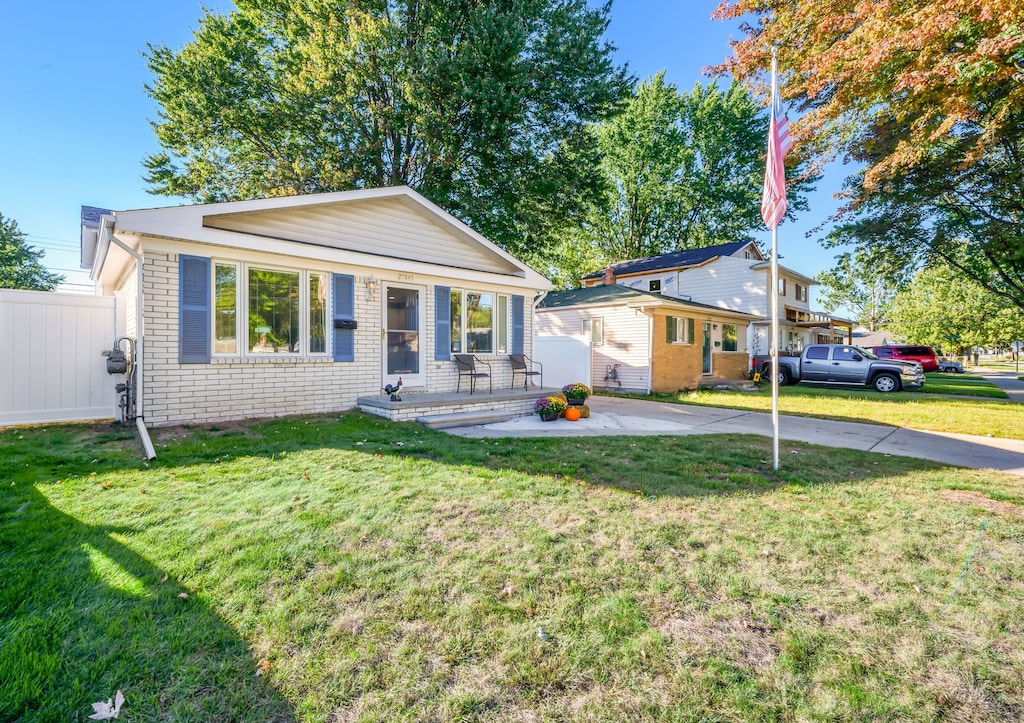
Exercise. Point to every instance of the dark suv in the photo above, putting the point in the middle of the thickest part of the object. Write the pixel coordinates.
(923, 355)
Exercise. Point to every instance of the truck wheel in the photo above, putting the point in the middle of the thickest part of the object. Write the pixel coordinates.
(783, 377)
(887, 383)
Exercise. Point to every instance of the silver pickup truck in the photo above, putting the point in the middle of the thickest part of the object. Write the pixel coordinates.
(844, 364)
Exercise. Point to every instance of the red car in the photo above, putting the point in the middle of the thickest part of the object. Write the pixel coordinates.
(923, 355)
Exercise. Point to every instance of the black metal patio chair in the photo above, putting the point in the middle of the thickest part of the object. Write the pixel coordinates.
(522, 364)
(467, 366)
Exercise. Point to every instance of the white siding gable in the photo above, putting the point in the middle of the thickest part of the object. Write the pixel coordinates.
(643, 283)
(381, 227)
(727, 282)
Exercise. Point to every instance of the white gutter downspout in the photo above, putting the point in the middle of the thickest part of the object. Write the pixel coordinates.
(650, 352)
(533, 321)
(147, 443)
(650, 348)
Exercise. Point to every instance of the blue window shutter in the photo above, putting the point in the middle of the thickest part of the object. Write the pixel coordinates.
(442, 323)
(194, 330)
(518, 325)
(344, 309)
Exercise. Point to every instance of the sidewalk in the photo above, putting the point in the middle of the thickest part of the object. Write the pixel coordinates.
(623, 416)
(1005, 380)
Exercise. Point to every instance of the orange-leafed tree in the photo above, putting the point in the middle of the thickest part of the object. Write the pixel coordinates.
(926, 97)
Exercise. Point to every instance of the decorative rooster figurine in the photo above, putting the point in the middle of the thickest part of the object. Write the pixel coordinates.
(394, 391)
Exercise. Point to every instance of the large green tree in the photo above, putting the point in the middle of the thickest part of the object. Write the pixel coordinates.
(926, 98)
(680, 171)
(480, 106)
(862, 287)
(20, 265)
(944, 308)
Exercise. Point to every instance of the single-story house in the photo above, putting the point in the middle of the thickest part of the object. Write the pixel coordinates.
(643, 342)
(303, 304)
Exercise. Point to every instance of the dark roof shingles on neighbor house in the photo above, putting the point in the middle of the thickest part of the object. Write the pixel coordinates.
(91, 215)
(673, 260)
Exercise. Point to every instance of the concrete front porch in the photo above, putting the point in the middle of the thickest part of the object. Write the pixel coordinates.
(450, 409)
(741, 385)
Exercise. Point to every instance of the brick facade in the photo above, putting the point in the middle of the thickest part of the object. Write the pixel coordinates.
(675, 366)
(239, 387)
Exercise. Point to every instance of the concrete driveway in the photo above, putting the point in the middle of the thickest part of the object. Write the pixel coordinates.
(1004, 379)
(622, 416)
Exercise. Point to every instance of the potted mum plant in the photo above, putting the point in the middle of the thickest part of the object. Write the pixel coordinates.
(576, 393)
(549, 408)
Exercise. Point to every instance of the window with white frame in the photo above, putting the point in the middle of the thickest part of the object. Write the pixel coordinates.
(455, 298)
(501, 324)
(479, 322)
(225, 321)
(679, 330)
(594, 328)
(730, 337)
(317, 334)
(286, 310)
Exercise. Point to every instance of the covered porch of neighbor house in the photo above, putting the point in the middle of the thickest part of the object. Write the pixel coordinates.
(797, 329)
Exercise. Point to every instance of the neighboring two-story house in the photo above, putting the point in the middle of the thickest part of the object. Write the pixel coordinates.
(735, 277)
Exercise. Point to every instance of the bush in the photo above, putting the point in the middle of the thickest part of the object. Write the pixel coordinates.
(576, 390)
(549, 405)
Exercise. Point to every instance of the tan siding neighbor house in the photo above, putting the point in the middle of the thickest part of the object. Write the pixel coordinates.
(643, 342)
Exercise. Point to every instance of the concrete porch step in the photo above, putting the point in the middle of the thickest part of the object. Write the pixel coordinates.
(464, 419)
(415, 404)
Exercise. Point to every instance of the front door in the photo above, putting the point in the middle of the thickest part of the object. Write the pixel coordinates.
(402, 336)
(706, 369)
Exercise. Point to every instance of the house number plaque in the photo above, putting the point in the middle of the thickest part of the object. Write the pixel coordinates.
(406, 277)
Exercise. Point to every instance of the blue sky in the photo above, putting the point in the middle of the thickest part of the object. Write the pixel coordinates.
(75, 125)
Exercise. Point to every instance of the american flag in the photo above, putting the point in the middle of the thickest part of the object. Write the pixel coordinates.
(773, 198)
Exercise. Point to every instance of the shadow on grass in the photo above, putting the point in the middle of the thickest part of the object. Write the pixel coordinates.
(679, 465)
(82, 616)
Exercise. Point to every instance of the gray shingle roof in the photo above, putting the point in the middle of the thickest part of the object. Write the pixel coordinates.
(672, 260)
(91, 215)
(615, 294)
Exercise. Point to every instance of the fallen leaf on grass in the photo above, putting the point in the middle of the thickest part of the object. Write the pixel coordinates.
(183, 595)
(163, 579)
(262, 667)
(105, 710)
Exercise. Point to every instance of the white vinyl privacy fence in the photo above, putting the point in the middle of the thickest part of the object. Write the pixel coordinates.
(51, 363)
(566, 359)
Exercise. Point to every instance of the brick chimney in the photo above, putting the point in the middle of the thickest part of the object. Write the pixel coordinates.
(609, 277)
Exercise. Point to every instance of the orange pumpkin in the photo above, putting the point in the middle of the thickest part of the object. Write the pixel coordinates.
(572, 414)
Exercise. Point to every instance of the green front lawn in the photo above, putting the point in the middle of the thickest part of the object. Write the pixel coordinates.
(350, 569)
(914, 410)
(962, 384)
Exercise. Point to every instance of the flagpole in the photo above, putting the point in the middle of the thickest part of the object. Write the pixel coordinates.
(773, 295)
